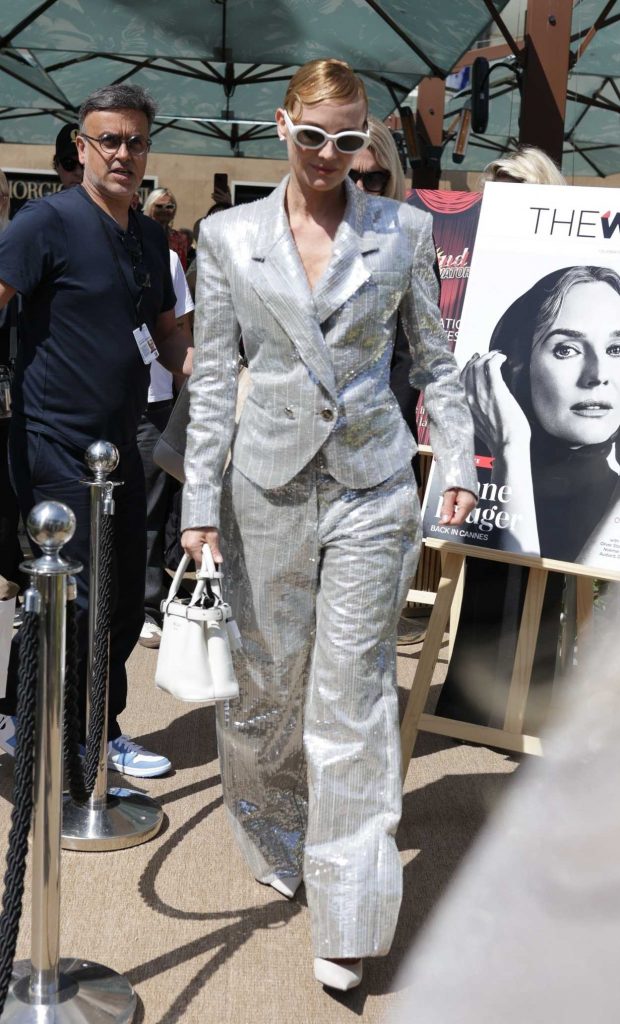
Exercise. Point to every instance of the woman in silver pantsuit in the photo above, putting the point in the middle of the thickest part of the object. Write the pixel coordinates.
(318, 512)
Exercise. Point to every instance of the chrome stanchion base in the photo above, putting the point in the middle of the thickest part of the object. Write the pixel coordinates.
(88, 994)
(128, 819)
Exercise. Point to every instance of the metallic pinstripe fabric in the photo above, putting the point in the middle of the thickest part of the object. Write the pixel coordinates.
(319, 361)
(320, 523)
(317, 597)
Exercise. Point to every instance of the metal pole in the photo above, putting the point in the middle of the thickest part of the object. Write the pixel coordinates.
(117, 818)
(46, 989)
(48, 789)
(101, 461)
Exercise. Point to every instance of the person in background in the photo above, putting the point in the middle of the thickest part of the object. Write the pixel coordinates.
(160, 486)
(10, 551)
(191, 246)
(217, 207)
(319, 513)
(94, 280)
(527, 165)
(161, 206)
(478, 677)
(66, 162)
(377, 170)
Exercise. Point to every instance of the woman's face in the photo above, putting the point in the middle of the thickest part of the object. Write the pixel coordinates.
(324, 169)
(370, 176)
(163, 210)
(575, 367)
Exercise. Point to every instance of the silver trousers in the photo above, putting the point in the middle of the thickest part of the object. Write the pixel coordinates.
(310, 753)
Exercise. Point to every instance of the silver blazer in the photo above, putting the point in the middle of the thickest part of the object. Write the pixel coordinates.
(319, 360)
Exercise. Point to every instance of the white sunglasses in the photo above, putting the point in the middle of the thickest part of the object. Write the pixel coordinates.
(307, 136)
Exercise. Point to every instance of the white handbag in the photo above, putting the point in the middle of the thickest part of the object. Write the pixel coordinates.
(194, 661)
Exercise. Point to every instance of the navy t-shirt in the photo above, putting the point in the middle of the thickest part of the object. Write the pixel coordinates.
(79, 374)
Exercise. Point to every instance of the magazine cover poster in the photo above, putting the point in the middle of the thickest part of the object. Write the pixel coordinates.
(455, 219)
(539, 351)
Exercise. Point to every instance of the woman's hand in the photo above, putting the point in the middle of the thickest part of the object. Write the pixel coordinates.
(193, 540)
(456, 506)
(499, 420)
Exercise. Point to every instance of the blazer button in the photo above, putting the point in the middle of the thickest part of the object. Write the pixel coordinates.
(327, 414)
(290, 412)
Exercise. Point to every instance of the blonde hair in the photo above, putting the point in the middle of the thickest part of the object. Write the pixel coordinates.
(4, 203)
(383, 147)
(155, 196)
(527, 164)
(319, 80)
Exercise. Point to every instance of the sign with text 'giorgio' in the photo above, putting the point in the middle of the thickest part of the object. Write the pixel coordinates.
(539, 348)
(25, 185)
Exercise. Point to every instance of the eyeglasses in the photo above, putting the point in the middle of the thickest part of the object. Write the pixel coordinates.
(69, 163)
(133, 247)
(373, 181)
(165, 206)
(308, 136)
(111, 142)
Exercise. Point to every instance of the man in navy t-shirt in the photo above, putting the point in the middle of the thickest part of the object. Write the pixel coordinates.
(97, 298)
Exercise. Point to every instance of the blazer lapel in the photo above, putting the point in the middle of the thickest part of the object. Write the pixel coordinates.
(347, 271)
(279, 279)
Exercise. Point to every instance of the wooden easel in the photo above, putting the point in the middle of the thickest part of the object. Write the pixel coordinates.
(510, 736)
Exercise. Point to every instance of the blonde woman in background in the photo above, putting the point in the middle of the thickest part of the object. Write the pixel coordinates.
(377, 169)
(527, 165)
(161, 206)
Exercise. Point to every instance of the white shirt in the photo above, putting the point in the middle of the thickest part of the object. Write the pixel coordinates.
(160, 389)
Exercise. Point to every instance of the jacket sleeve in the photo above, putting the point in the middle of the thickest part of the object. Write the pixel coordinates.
(434, 370)
(213, 383)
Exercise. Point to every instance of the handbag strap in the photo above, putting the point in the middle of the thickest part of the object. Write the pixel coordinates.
(207, 571)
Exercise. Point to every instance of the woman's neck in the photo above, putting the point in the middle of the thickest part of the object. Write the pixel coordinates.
(308, 204)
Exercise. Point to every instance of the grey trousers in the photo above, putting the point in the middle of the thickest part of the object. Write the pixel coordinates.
(310, 753)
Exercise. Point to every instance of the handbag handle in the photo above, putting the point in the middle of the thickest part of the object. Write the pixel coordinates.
(207, 571)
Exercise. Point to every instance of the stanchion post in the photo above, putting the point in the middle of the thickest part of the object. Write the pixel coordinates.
(46, 989)
(102, 459)
(117, 818)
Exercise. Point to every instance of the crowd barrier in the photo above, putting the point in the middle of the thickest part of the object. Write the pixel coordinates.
(47, 989)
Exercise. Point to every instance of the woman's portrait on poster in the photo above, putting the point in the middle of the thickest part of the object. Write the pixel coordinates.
(546, 405)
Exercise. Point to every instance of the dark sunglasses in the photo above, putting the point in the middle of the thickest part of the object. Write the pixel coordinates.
(110, 143)
(69, 162)
(133, 247)
(373, 181)
(165, 206)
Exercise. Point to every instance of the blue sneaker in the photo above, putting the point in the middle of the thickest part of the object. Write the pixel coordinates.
(7, 734)
(129, 758)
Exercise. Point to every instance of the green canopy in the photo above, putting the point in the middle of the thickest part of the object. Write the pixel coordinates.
(217, 68)
(592, 121)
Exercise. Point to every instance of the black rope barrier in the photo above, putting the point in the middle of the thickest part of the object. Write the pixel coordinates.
(83, 775)
(23, 794)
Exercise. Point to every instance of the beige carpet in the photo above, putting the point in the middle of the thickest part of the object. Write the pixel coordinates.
(182, 918)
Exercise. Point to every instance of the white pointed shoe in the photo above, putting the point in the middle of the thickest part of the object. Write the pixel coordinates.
(340, 976)
(286, 886)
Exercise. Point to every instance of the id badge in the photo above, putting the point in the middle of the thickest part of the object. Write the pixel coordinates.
(146, 345)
